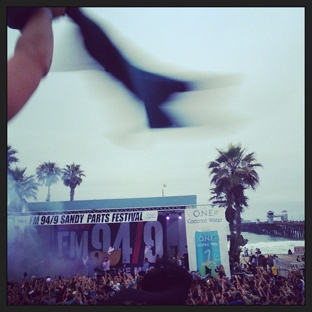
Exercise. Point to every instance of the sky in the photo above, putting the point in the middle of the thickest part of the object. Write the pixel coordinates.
(80, 114)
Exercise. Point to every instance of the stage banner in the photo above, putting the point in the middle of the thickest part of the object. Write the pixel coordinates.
(85, 218)
(134, 240)
(206, 235)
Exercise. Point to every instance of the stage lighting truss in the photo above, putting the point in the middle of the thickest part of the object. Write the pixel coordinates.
(162, 210)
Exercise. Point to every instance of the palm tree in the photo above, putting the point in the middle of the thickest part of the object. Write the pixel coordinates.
(11, 158)
(48, 173)
(20, 187)
(233, 172)
(72, 176)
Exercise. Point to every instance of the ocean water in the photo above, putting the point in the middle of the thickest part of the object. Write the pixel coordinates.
(270, 244)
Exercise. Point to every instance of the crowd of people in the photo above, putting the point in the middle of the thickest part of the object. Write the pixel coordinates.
(166, 283)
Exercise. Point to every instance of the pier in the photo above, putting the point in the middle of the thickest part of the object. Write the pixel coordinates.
(290, 229)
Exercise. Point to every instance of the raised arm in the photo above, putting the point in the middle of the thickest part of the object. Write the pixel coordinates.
(32, 58)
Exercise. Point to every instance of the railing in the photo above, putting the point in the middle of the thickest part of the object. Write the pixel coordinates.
(293, 230)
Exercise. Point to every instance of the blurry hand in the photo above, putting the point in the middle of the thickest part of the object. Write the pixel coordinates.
(57, 11)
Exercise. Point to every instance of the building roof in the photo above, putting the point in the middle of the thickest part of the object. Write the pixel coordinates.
(165, 201)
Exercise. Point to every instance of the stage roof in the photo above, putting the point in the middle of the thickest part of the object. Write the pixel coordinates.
(154, 203)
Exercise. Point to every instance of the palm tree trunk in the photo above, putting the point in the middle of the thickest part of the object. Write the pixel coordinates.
(238, 222)
(232, 241)
(236, 245)
(49, 194)
(71, 194)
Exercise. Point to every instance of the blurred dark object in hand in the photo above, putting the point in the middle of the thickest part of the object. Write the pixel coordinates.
(18, 16)
(167, 285)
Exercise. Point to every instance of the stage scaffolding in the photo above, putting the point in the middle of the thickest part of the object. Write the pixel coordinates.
(160, 209)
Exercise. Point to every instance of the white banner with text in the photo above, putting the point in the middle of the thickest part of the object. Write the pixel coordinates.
(206, 234)
(86, 218)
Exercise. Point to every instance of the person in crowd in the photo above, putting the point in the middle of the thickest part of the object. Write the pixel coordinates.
(173, 259)
(274, 272)
(145, 265)
(260, 259)
(252, 263)
(270, 262)
(221, 271)
(300, 283)
(158, 261)
(237, 268)
(264, 263)
(179, 260)
(186, 259)
(106, 265)
(246, 268)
